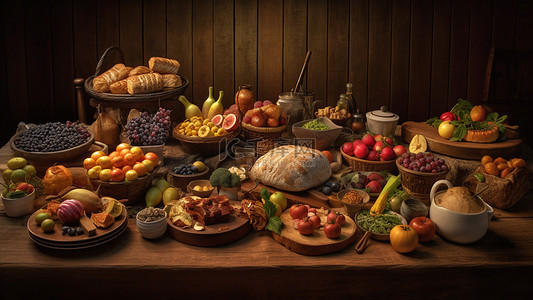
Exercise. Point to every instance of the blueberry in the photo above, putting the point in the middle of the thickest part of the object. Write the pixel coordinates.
(326, 190)
(335, 187)
(65, 229)
(328, 184)
(71, 231)
(79, 230)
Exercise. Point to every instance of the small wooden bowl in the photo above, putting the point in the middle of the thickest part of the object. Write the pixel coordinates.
(358, 164)
(182, 181)
(379, 236)
(352, 209)
(202, 183)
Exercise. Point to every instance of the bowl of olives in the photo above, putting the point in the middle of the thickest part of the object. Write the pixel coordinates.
(181, 175)
(321, 130)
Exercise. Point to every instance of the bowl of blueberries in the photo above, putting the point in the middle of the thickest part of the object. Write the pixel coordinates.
(180, 175)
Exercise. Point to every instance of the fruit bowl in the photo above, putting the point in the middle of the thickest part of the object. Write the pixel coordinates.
(323, 138)
(182, 181)
(206, 146)
(358, 164)
(202, 183)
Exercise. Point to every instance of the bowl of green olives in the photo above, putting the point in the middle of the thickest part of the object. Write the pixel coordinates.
(322, 131)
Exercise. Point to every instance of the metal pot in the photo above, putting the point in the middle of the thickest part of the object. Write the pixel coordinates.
(294, 106)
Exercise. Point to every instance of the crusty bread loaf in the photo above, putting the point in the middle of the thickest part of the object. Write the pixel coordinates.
(164, 65)
(292, 168)
(171, 80)
(145, 83)
(140, 70)
(102, 83)
(119, 87)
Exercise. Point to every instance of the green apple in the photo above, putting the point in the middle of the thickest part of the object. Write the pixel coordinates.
(279, 199)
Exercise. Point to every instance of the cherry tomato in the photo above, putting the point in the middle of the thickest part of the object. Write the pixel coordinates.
(298, 211)
(306, 227)
(316, 221)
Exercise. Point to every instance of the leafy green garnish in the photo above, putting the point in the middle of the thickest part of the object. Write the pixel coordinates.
(459, 133)
(462, 109)
(435, 122)
(265, 194)
(274, 224)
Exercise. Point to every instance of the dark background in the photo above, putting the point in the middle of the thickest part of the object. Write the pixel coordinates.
(417, 57)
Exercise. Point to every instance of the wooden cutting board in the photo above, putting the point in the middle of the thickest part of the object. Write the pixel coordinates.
(465, 150)
(317, 243)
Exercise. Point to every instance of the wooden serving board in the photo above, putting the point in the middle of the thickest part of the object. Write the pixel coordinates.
(465, 150)
(317, 243)
(214, 235)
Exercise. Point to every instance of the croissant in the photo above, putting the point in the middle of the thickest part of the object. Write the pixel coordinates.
(102, 83)
(140, 70)
(164, 65)
(145, 83)
(119, 87)
(171, 80)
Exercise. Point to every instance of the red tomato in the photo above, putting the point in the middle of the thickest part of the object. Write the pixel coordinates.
(448, 116)
(306, 227)
(424, 227)
(340, 219)
(332, 230)
(298, 211)
(332, 216)
(316, 220)
(403, 238)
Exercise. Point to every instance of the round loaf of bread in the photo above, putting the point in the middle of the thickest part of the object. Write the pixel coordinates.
(292, 168)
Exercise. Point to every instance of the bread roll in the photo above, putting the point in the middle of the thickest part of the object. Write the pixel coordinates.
(171, 80)
(164, 65)
(102, 83)
(292, 168)
(145, 83)
(119, 87)
(140, 70)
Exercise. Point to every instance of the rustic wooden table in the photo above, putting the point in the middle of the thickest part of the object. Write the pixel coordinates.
(498, 266)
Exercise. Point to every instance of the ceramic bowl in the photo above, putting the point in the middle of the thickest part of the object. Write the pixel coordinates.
(152, 230)
(352, 209)
(18, 207)
(202, 183)
(182, 181)
(382, 121)
(322, 138)
(412, 208)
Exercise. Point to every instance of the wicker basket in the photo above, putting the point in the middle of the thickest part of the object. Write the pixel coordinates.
(131, 190)
(364, 165)
(418, 184)
(251, 132)
(207, 146)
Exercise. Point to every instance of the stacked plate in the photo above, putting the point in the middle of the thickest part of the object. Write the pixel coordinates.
(56, 239)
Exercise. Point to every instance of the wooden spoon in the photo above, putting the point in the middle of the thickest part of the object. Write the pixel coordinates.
(361, 245)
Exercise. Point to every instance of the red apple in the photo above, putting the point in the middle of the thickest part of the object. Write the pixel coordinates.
(360, 150)
(378, 146)
(399, 150)
(374, 187)
(357, 141)
(372, 155)
(347, 148)
(424, 227)
(387, 153)
(368, 140)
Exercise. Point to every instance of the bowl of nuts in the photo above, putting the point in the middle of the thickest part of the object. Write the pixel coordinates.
(354, 200)
(152, 222)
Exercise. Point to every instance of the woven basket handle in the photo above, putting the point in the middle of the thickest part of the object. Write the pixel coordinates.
(104, 56)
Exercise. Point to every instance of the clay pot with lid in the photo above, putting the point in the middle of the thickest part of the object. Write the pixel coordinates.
(382, 121)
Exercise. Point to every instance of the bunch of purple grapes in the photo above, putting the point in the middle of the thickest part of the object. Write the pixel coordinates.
(422, 162)
(149, 129)
(80, 128)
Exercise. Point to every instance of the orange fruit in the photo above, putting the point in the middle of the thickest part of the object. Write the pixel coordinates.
(138, 152)
(502, 166)
(153, 157)
(150, 165)
(491, 169)
(104, 162)
(478, 113)
(94, 172)
(97, 154)
(518, 163)
(140, 169)
(113, 155)
(105, 175)
(123, 152)
(328, 155)
(117, 175)
(129, 159)
(510, 165)
(131, 175)
(499, 160)
(126, 168)
(122, 146)
(88, 163)
(117, 161)
(505, 172)
(486, 159)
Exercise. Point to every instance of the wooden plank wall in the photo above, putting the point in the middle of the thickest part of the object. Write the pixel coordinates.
(415, 56)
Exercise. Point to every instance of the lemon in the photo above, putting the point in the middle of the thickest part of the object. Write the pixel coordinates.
(162, 185)
(418, 144)
(170, 194)
(191, 127)
(214, 129)
(210, 124)
(199, 165)
(197, 188)
(206, 188)
(221, 131)
(204, 131)
(278, 210)
(153, 197)
(16, 163)
(206, 121)
(197, 124)
(194, 133)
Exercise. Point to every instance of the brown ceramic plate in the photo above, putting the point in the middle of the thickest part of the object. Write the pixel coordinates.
(57, 237)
